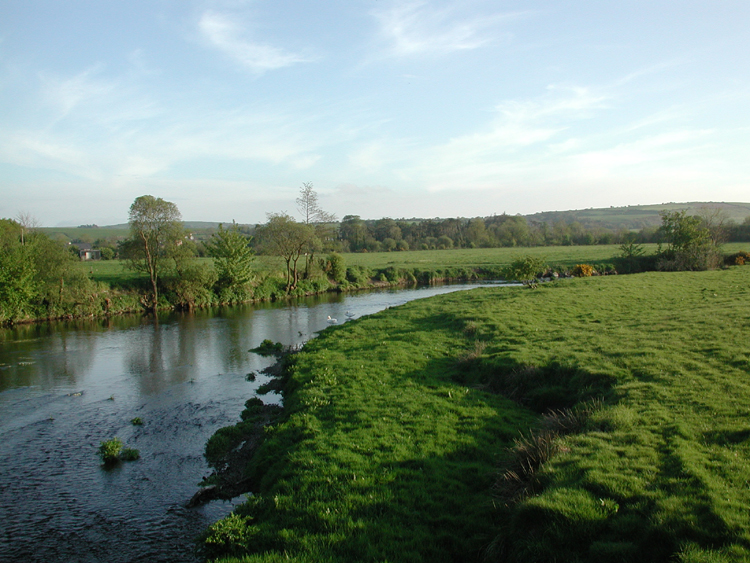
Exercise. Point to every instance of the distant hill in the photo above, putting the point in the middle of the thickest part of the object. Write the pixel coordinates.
(638, 216)
(632, 217)
(90, 233)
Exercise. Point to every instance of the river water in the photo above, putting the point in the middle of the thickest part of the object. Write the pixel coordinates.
(65, 387)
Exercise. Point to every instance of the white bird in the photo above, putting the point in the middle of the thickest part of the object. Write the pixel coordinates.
(349, 314)
(332, 321)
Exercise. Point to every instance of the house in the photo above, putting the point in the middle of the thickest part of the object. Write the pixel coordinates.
(85, 252)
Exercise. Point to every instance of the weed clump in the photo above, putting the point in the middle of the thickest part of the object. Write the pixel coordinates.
(111, 452)
(129, 454)
(528, 455)
(269, 348)
(568, 421)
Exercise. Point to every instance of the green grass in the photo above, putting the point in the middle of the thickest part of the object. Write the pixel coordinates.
(483, 257)
(398, 427)
(116, 273)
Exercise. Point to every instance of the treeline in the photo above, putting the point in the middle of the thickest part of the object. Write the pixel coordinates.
(358, 235)
(41, 278)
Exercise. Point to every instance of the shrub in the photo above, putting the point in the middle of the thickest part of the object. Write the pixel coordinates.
(583, 270)
(737, 259)
(358, 274)
(336, 267)
(525, 269)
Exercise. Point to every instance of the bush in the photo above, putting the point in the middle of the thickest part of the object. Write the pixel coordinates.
(336, 267)
(737, 259)
(525, 269)
(358, 274)
(583, 270)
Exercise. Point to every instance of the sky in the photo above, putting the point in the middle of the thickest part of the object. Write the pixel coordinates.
(390, 108)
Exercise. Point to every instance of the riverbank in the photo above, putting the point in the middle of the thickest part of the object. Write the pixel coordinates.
(400, 436)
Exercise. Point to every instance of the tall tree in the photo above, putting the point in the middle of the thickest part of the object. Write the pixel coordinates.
(156, 234)
(313, 215)
(307, 205)
(285, 237)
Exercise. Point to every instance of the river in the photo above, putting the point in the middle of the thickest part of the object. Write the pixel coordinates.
(67, 386)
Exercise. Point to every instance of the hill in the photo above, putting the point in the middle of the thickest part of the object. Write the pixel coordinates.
(632, 217)
(636, 217)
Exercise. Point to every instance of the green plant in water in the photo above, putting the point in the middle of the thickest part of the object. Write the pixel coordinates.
(129, 454)
(137, 421)
(269, 348)
(109, 451)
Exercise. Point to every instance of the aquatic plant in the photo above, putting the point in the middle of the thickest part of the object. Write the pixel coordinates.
(109, 451)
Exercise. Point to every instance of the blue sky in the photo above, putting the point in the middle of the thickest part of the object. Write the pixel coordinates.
(391, 108)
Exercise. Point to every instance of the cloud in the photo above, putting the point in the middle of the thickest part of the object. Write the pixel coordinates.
(108, 127)
(680, 154)
(67, 93)
(227, 36)
(414, 28)
(520, 135)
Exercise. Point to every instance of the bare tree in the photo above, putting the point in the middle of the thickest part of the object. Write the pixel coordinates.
(715, 220)
(307, 205)
(312, 214)
(28, 223)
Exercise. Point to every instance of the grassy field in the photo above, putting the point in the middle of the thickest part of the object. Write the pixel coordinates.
(567, 256)
(115, 271)
(397, 442)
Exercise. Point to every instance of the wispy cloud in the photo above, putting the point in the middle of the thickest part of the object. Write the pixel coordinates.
(511, 145)
(414, 28)
(226, 35)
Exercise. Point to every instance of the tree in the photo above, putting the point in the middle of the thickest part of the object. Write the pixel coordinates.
(354, 231)
(233, 258)
(39, 276)
(689, 243)
(307, 205)
(18, 282)
(312, 214)
(285, 237)
(156, 234)
(716, 220)
(27, 222)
